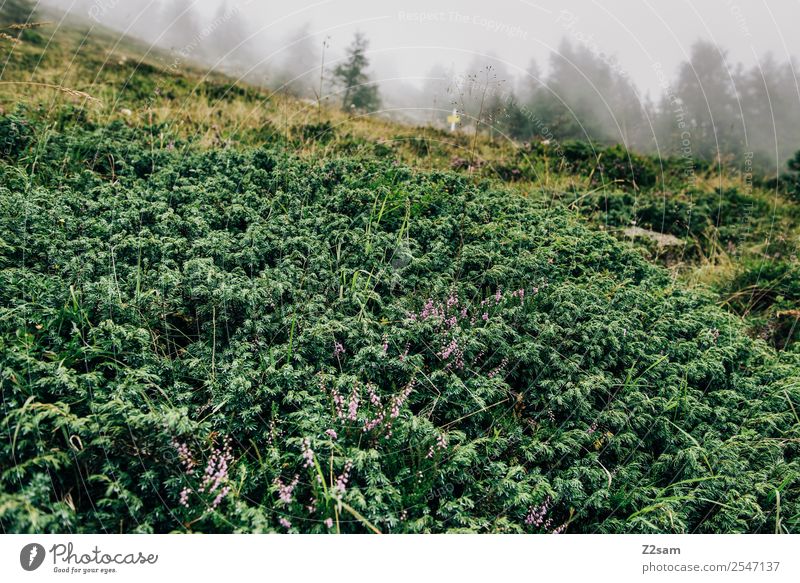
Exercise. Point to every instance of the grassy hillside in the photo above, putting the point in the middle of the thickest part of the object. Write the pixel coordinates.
(227, 310)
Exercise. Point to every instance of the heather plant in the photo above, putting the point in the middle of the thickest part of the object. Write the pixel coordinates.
(239, 340)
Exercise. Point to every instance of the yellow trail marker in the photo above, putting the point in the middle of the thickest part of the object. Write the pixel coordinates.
(453, 120)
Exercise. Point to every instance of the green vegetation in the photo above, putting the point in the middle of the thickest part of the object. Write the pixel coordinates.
(219, 313)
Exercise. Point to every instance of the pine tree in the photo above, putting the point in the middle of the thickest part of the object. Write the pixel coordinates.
(359, 94)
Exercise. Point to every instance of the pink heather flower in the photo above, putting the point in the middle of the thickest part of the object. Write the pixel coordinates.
(187, 461)
(560, 529)
(216, 473)
(385, 344)
(373, 396)
(184, 499)
(329, 522)
(352, 411)
(220, 496)
(341, 481)
(441, 443)
(308, 453)
(373, 423)
(285, 491)
(452, 300)
(536, 515)
(501, 366)
(592, 428)
(464, 313)
(338, 402)
(449, 349)
(284, 523)
(331, 433)
(398, 400)
(485, 316)
(403, 356)
(452, 349)
(337, 349)
(498, 296)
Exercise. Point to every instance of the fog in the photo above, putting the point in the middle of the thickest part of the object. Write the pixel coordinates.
(714, 79)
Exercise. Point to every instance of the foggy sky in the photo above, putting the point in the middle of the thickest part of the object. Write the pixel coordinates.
(642, 38)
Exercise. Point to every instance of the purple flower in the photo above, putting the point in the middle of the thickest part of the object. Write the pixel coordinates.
(341, 481)
(536, 515)
(331, 433)
(500, 367)
(216, 473)
(284, 523)
(428, 311)
(308, 453)
(373, 423)
(184, 499)
(285, 491)
(352, 411)
(398, 400)
(185, 456)
(441, 443)
(452, 349)
(220, 496)
(338, 402)
(452, 300)
(329, 522)
(373, 396)
(337, 349)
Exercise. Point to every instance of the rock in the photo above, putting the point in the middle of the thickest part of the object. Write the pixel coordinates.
(662, 240)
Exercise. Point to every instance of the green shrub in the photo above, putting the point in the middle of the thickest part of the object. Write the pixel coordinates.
(351, 346)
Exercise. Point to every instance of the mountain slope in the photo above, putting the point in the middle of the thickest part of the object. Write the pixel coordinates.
(291, 328)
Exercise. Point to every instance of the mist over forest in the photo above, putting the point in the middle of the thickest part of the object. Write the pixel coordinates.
(709, 108)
